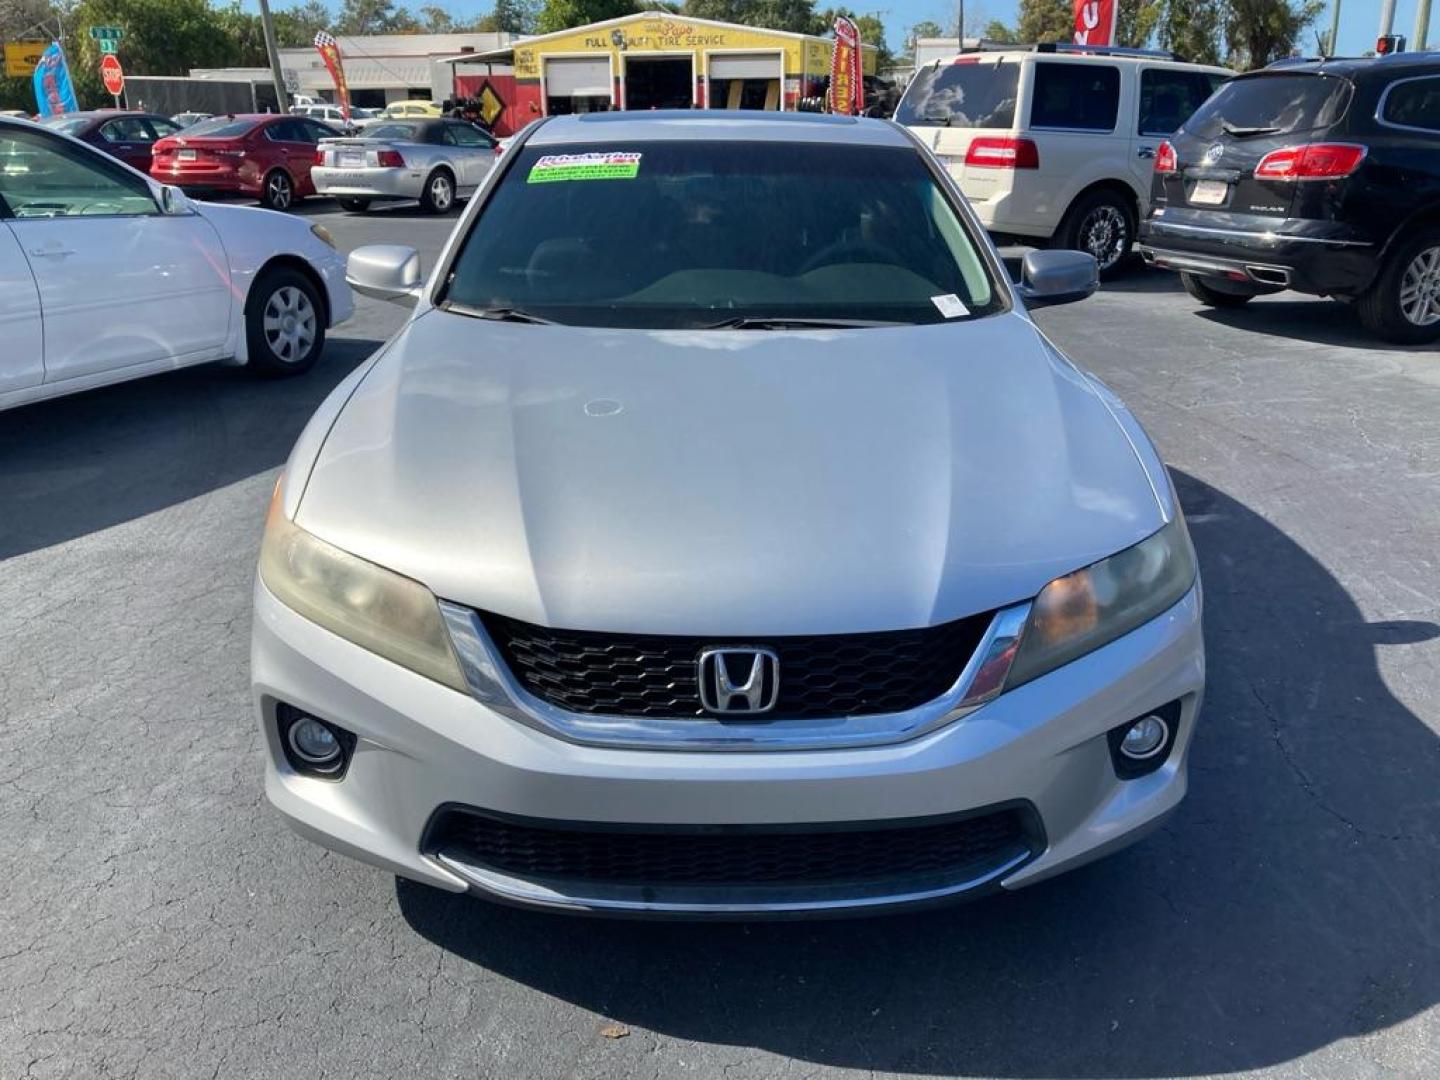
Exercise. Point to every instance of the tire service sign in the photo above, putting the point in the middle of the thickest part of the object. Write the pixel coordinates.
(1095, 22)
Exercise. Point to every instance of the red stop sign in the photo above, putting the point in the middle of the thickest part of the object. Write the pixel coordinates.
(112, 73)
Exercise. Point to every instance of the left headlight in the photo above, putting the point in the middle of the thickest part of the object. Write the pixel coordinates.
(377, 609)
(1080, 612)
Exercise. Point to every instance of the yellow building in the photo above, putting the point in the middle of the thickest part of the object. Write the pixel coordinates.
(656, 60)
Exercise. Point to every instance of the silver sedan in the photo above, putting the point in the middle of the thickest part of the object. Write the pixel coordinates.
(434, 161)
(721, 537)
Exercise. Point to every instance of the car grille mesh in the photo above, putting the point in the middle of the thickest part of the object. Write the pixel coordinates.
(829, 675)
(729, 855)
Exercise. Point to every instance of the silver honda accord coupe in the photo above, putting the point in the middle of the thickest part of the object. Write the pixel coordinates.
(720, 537)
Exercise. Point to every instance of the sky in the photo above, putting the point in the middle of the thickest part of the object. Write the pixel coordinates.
(1359, 19)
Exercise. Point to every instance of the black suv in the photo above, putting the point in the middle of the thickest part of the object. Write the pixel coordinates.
(1321, 176)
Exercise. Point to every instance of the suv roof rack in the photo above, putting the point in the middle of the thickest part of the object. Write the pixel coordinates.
(1103, 50)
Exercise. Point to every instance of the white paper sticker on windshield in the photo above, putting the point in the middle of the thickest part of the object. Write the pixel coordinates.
(950, 305)
(619, 165)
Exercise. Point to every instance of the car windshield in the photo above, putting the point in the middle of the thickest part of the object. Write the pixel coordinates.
(966, 93)
(1271, 105)
(690, 234)
(66, 125)
(398, 132)
(221, 127)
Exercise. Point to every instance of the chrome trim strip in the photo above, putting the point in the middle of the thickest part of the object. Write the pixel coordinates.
(1384, 97)
(492, 684)
(532, 894)
(1268, 237)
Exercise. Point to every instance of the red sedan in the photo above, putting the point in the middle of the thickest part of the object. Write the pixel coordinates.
(264, 155)
(128, 136)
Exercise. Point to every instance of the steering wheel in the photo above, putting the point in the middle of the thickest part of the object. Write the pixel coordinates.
(831, 253)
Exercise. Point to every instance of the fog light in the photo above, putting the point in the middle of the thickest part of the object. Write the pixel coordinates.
(313, 747)
(313, 742)
(1145, 738)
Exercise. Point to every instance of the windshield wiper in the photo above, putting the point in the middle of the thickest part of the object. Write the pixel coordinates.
(937, 119)
(497, 314)
(1245, 132)
(767, 322)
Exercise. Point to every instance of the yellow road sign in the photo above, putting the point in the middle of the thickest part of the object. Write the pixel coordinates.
(21, 58)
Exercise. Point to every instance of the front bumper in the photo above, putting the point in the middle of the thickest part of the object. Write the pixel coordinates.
(1317, 257)
(365, 183)
(422, 746)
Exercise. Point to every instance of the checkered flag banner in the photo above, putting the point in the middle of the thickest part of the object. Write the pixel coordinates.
(329, 50)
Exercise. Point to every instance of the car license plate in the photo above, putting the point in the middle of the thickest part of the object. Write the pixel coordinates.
(186, 155)
(352, 158)
(1209, 192)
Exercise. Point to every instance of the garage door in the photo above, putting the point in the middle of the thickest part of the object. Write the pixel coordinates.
(577, 77)
(745, 66)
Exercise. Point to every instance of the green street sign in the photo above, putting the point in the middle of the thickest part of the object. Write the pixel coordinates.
(107, 33)
(107, 45)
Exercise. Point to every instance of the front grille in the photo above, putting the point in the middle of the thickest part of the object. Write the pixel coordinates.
(732, 855)
(820, 675)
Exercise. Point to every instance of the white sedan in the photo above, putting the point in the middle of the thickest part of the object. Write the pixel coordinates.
(106, 275)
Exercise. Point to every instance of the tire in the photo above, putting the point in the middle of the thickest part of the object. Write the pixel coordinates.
(284, 323)
(278, 190)
(1102, 224)
(354, 206)
(1212, 292)
(439, 194)
(1403, 303)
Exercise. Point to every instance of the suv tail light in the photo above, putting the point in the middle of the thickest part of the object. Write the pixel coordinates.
(319, 156)
(390, 159)
(1166, 161)
(1312, 161)
(1002, 153)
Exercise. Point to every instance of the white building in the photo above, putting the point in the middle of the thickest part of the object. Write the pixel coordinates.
(386, 67)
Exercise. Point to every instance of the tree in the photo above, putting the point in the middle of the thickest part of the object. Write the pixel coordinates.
(299, 25)
(513, 16)
(436, 20)
(1135, 21)
(563, 14)
(358, 17)
(1259, 31)
(1046, 20)
(797, 16)
(995, 30)
(1191, 29)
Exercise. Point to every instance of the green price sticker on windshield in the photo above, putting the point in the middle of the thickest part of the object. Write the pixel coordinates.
(613, 166)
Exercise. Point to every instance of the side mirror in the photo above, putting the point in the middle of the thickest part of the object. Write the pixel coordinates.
(1057, 277)
(173, 201)
(386, 272)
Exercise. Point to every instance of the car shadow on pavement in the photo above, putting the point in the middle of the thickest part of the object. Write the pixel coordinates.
(1291, 902)
(81, 463)
(1309, 319)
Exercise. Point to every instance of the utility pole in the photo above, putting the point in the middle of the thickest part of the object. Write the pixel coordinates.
(281, 98)
(960, 25)
(1387, 17)
(1334, 38)
(1422, 25)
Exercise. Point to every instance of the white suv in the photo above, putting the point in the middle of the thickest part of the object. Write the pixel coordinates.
(1055, 144)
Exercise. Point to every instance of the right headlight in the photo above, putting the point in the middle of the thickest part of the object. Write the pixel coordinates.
(1080, 612)
(391, 615)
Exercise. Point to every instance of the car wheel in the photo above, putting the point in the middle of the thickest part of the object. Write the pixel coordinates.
(439, 194)
(1216, 292)
(284, 323)
(354, 206)
(1102, 224)
(278, 192)
(1403, 303)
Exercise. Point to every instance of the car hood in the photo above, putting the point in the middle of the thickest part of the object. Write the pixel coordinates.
(728, 482)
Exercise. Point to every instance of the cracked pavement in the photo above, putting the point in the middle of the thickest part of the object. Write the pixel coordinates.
(157, 921)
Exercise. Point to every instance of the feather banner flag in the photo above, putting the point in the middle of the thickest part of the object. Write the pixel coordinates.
(329, 50)
(847, 81)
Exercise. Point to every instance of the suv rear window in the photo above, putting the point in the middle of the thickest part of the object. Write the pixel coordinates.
(1079, 97)
(1271, 105)
(961, 95)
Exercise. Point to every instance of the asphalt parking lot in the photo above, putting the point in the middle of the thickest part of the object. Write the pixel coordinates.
(157, 921)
